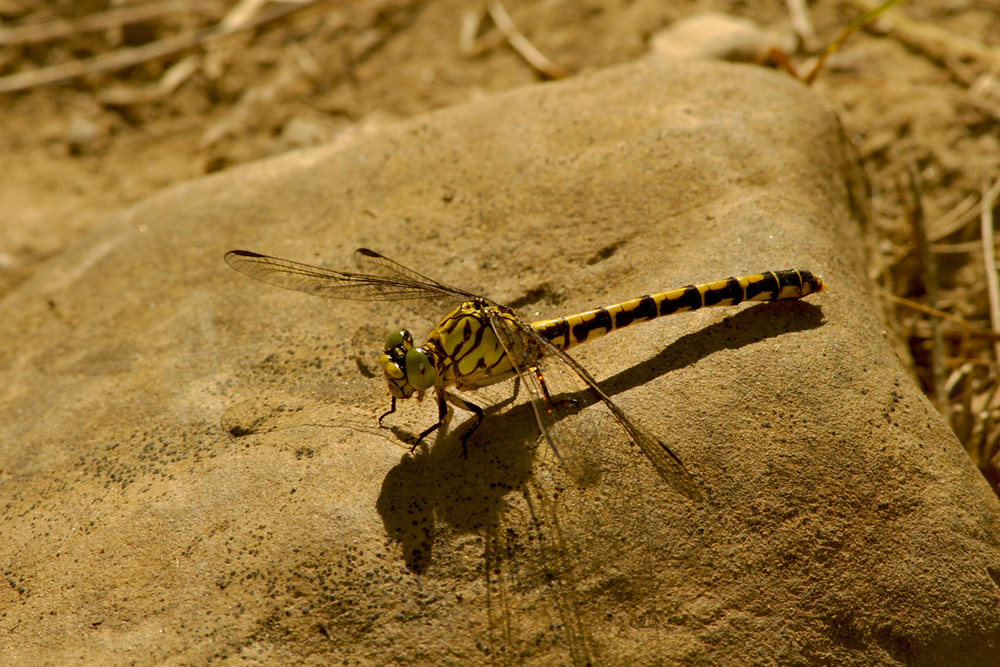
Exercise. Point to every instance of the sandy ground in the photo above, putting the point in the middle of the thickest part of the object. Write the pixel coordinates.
(181, 500)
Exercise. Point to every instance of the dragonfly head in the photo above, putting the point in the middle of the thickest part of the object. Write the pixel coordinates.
(407, 369)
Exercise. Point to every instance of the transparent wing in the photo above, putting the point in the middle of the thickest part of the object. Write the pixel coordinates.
(444, 299)
(402, 285)
(376, 264)
(559, 387)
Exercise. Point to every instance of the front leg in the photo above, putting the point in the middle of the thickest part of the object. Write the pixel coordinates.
(474, 409)
(442, 413)
(392, 408)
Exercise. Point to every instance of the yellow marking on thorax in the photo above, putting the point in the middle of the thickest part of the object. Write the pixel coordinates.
(470, 352)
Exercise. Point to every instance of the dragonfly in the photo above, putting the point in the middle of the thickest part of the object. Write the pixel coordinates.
(480, 342)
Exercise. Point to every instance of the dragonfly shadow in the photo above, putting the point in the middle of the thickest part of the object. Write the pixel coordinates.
(762, 321)
(436, 486)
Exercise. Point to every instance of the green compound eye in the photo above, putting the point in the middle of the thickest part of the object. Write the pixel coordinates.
(397, 338)
(419, 370)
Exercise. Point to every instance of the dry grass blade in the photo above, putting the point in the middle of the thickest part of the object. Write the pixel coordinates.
(962, 214)
(851, 28)
(798, 11)
(286, 72)
(929, 266)
(471, 20)
(470, 43)
(129, 57)
(933, 312)
(989, 257)
(959, 248)
(36, 33)
(933, 41)
(963, 334)
(108, 62)
(958, 217)
(521, 44)
(241, 15)
(171, 80)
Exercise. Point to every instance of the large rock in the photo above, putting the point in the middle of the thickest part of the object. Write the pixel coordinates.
(192, 469)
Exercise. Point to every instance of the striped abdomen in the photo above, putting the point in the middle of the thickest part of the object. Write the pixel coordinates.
(566, 332)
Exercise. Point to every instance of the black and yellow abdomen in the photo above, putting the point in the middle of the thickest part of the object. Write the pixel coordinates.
(572, 330)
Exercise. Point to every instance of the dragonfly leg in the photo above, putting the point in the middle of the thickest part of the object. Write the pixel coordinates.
(392, 408)
(442, 412)
(537, 372)
(474, 409)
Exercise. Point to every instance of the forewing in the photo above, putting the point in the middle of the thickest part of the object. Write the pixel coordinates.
(402, 285)
(443, 300)
(560, 388)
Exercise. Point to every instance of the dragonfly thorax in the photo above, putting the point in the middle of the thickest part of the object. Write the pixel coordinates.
(407, 369)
